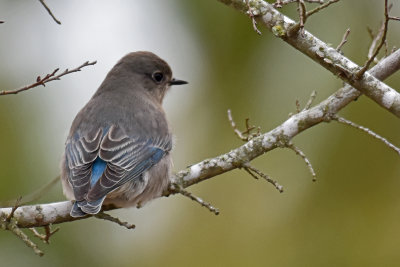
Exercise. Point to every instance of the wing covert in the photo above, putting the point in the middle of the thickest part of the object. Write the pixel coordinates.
(127, 158)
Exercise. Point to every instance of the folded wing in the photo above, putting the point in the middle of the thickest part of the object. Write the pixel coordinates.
(126, 158)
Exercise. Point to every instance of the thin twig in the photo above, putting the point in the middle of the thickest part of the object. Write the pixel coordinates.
(253, 171)
(304, 157)
(301, 8)
(37, 234)
(361, 72)
(297, 106)
(235, 129)
(390, 17)
(375, 40)
(18, 232)
(386, 49)
(104, 216)
(247, 134)
(48, 78)
(319, 8)
(299, 26)
(370, 32)
(307, 105)
(344, 40)
(14, 208)
(175, 188)
(310, 100)
(252, 17)
(250, 128)
(49, 11)
(368, 131)
(280, 3)
(11, 224)
(46, 236)
(49, 232)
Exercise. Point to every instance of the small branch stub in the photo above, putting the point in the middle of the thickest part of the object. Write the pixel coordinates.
(344, 40)
(313, 95)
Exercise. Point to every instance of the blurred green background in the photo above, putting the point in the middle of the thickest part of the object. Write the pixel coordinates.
(349, 217)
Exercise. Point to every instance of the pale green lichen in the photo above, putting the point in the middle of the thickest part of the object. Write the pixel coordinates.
(278, 31)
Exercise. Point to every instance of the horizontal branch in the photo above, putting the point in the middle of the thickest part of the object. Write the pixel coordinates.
(328, 57)
(53, 213)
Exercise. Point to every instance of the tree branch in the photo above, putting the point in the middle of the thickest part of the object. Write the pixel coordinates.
(344, 40)
(286, 29)
(49, 11)
(54, 213)
(382, 37)
(48, 78)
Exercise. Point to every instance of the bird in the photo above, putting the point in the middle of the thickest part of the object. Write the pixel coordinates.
(118, 148)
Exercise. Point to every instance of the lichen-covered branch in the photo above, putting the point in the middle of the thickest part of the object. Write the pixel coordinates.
(328, 57)
(53, 213)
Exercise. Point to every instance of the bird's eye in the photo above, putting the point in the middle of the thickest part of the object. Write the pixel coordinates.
(158, 76)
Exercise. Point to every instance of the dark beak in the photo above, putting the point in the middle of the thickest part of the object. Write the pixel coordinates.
(177, 82)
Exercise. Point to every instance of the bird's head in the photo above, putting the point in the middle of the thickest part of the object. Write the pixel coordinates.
(148, 72)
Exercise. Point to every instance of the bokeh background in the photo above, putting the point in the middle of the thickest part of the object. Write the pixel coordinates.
(349, 217)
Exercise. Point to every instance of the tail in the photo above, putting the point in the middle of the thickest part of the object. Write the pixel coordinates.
(82, 208)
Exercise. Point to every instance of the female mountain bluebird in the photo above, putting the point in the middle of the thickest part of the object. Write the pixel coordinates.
(117, 151)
